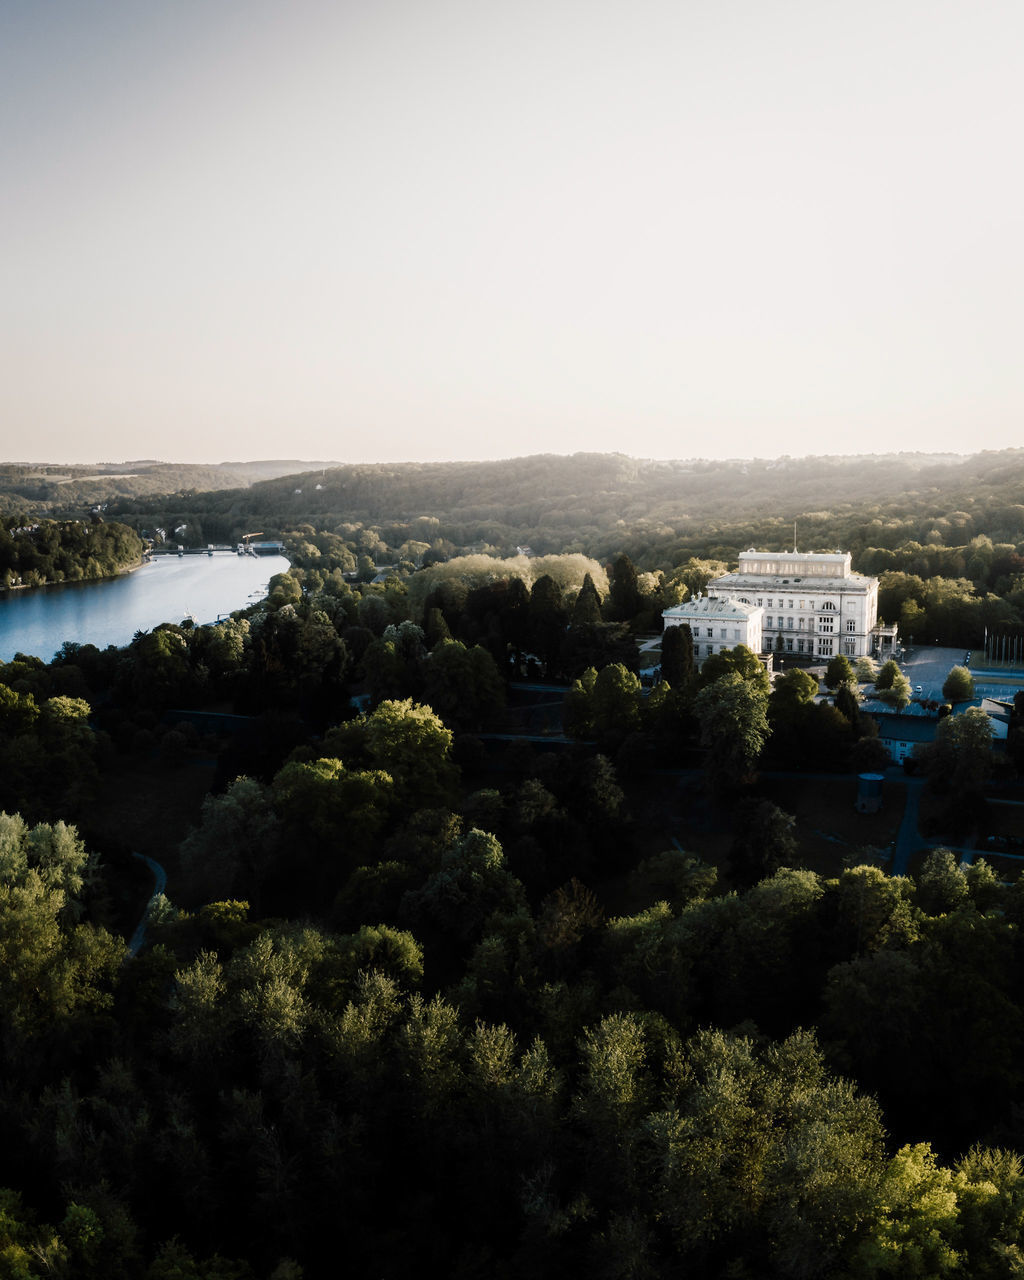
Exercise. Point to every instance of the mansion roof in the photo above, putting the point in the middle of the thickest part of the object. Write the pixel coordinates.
(712, 607)
(852, 582)
(813, 571)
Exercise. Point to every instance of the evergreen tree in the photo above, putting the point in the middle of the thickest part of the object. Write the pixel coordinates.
(624, 590)
(587, 609)
(677, 656)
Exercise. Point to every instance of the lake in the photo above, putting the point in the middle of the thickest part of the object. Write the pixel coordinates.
(38, 620)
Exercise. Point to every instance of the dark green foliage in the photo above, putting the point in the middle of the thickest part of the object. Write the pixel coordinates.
(763, 842)
(624, 590)
(586, 612)
(839, 672)
(547, 621)
(677, 656)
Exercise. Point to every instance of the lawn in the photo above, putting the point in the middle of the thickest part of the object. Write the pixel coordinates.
(677, 812)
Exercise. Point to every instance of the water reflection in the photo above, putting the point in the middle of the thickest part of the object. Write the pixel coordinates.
(170, 588)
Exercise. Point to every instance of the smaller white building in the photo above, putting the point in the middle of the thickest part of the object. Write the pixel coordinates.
(717, 623)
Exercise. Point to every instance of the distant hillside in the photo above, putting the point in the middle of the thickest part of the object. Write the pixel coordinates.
(602, 503)
(48, 487)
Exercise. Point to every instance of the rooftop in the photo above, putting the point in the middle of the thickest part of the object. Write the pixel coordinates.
(855, 582)
(712, 607)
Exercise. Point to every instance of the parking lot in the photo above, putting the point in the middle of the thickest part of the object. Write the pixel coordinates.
(927, 667)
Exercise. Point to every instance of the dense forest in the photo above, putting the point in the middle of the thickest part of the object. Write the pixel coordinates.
(486, 949)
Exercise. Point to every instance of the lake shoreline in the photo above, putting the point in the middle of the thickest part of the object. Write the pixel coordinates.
(74, 582)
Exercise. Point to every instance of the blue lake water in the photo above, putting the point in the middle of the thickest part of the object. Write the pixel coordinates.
(37, 621)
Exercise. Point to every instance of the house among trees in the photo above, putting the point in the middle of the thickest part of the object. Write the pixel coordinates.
(811, 602)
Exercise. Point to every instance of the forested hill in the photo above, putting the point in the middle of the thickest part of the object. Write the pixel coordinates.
(53, 488)
(65, 551)
(573, 490)
(657, 511)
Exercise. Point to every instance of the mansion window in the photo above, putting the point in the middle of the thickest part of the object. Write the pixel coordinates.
(849, 647)
(711, 632)
(825, 648)
(851, 624)
(789, 624)
(826, 624)
(829, 605)
(759, 600)
(789, 646)
(769, 620)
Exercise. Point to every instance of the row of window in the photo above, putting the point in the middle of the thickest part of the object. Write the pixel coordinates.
(824, 624)
(827, 605)
(724, 633)
(826, 646)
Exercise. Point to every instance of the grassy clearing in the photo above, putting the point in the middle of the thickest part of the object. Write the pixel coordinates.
(830, 831)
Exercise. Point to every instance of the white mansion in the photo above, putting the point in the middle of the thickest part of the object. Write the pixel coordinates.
(785, 602)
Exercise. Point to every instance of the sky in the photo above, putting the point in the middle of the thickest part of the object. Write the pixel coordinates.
(457, 229)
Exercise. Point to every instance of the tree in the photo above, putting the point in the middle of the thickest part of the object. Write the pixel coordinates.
(547, 621)
(763, 841)
(616, 704)
(866, 669)
(741, 660)
(958, 685)
(624, 590)
(960, 758)
(732, 713)
(839, 672)
(407, 741)
(897, 692)
(887, 673)
(473, 883)
(229, 854)
(677, 656)
(463, 685)
(792, 691)
(578, 707)
(341, 809)
(51, 966)
(847, 704)
(587, 609)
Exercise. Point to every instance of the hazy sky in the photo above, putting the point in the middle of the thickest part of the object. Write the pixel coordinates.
(484, 228)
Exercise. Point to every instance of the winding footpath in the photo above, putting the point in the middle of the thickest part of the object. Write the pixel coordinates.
(160, 884)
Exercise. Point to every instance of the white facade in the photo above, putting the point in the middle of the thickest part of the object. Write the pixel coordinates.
(812, 603)
(717, 623)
